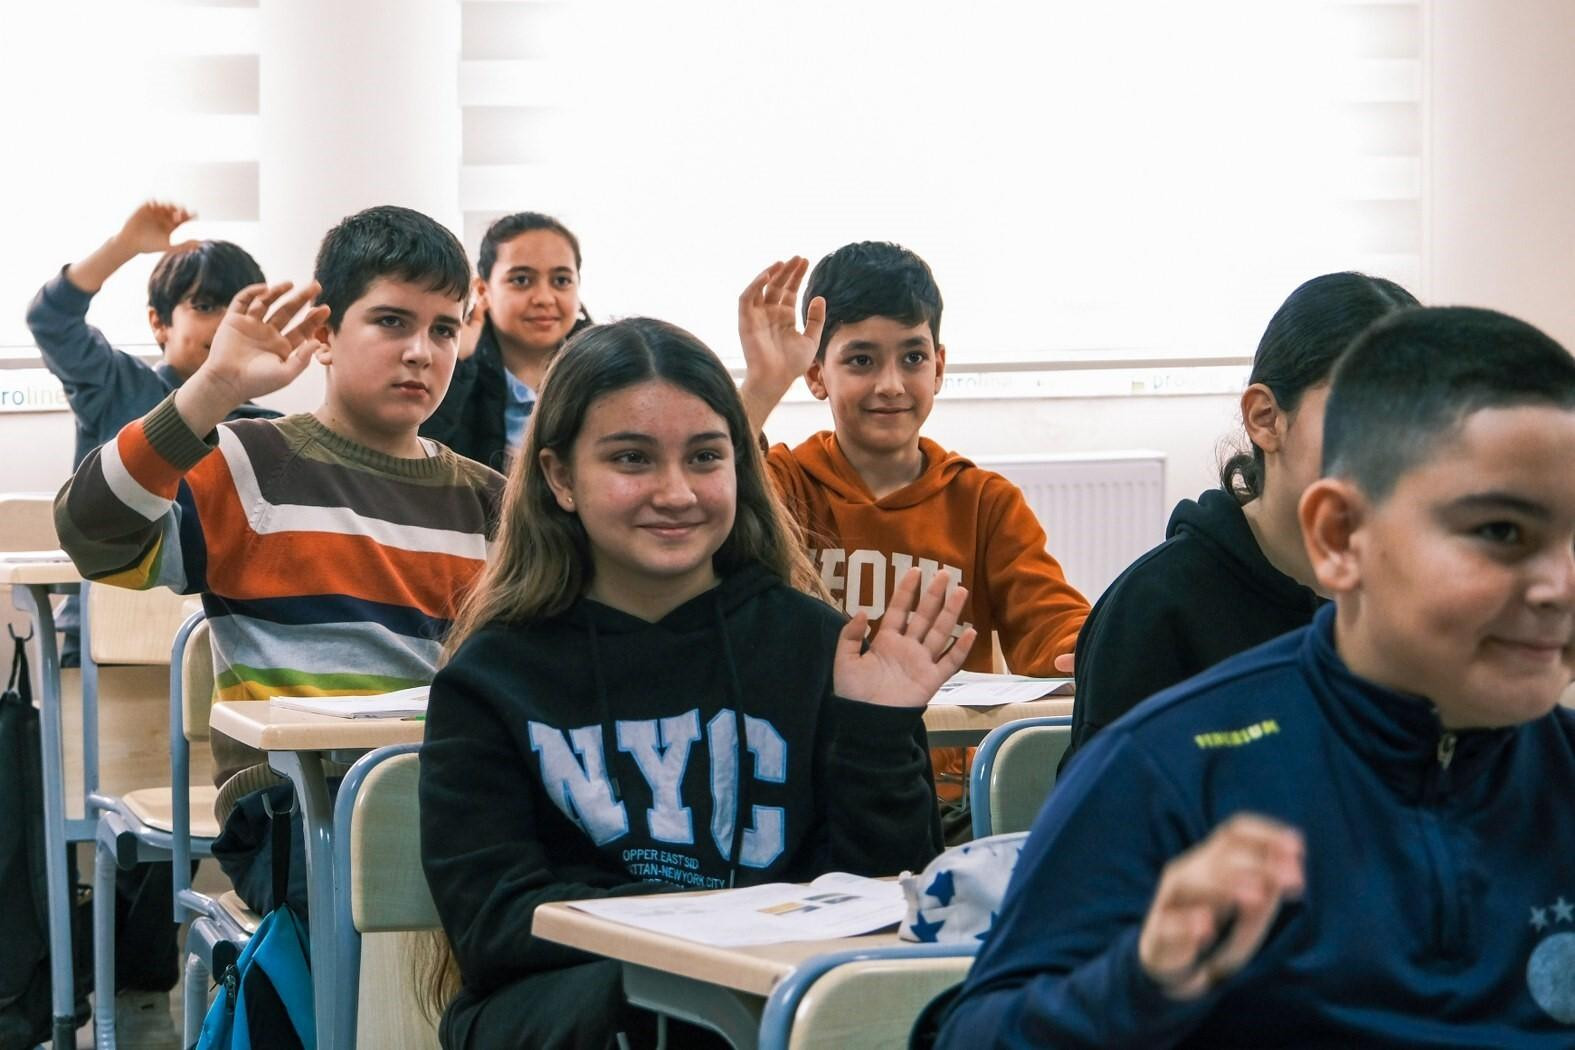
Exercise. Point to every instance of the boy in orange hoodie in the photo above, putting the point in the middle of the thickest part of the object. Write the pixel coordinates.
(874, 496)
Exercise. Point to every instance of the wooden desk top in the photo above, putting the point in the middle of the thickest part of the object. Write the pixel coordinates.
(259, 724)
(754, 970)
(29, 568)
(951, 718)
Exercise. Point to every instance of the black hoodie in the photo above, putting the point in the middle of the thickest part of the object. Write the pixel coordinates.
(1204, 594)
(585, 756)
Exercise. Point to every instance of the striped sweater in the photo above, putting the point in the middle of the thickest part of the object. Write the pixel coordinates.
(325, 568)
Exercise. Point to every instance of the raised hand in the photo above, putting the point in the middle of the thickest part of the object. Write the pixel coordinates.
(150, 226)
(775, 352)
(911, 655)
(253, 352)
(1216, 901)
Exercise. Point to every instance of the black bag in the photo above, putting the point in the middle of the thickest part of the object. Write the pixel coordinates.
(25, 1012)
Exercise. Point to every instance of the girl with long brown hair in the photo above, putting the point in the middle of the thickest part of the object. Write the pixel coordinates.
(642, 697)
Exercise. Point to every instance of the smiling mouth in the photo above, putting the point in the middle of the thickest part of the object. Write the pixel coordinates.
(411, 387)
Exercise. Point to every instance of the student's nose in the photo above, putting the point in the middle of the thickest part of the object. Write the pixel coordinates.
(673, 490)
(1553, 585)
(888, 381)
(418, 350)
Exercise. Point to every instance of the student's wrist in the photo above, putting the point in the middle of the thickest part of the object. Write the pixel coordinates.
(204, 401)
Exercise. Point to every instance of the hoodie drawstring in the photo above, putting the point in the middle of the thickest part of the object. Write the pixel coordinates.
(742, 809)
(605, 709)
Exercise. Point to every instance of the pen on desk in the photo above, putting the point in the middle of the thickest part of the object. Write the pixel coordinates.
(414, 718)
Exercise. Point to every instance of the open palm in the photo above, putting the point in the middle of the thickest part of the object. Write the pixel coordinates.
(774, 348)
(911, 655)
(254, 353)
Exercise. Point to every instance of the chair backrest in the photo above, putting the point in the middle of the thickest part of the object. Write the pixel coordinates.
(379, 884)
(859, 999)
(196, 683)
(1013, 773)
(134, 627)
(27, 521)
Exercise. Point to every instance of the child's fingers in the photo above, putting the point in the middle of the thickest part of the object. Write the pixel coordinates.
(931, 604)
(751, 296)
(815, 319)
(951, 660)
(242, 302)
(850, 642)
(303, 329)
(792, 277)
(290, 306)
(270, 295)
(903, 598)
(942, 632)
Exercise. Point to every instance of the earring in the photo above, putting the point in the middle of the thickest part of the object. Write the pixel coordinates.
(568, 502)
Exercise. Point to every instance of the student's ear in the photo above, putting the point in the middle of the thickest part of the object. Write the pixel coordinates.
(325, 344)
(815, 378)
(559, 478)
(940, 365)
(161, 331)
(1331, 513)
(1261, 415)
(478, 288)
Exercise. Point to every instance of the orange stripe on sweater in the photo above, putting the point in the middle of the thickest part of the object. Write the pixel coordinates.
(146, 467)
(270, 566)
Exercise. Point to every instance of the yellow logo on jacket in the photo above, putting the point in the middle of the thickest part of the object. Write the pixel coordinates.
(1237, 737)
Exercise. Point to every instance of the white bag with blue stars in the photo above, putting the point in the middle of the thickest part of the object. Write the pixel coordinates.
(957, 896)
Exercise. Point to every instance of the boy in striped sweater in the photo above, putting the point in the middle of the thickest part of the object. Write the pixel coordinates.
(330, 548)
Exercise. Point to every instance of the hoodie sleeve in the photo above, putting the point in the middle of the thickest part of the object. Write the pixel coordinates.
(1037, 613)
(881, 811)
(1060, 966)
(481, 844)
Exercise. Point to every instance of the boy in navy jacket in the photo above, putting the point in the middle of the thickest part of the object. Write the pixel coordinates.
(1361, 833)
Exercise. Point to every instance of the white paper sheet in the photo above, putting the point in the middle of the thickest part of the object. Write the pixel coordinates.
(976, 689)
(834, 905)
(402, 703)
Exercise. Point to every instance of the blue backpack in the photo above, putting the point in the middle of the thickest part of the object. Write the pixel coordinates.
(265, 996)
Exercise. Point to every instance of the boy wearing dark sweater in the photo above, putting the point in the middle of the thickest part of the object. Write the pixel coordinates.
(1358, 834)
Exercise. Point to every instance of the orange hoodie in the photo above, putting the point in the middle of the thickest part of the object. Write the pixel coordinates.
(955, 516)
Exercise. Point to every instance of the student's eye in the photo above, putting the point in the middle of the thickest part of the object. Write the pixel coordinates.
(710, 455)
(860, 361)
(519, 280)
(564, 281)
(914, 358)
(1503, 533)
(629, 458)
(389, 321)
(445, 331)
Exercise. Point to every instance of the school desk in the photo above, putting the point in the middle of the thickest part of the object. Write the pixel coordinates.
(721, 988)
(953, 726)
(32, 582)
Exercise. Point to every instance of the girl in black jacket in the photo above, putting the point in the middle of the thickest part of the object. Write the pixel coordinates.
(1232, 572)
(640, 700)
(527, 305)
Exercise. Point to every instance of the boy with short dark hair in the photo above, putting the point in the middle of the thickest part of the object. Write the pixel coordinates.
(330, 548)
(874, 496)
(1359, 834)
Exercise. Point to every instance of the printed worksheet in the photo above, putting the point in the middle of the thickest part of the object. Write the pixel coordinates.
(834, 905)
(977, 689)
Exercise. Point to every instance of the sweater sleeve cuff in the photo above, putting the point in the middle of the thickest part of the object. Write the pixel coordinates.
(877, 728)
(173, 439)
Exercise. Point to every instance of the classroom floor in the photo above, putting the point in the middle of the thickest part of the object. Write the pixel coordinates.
(143, 1021)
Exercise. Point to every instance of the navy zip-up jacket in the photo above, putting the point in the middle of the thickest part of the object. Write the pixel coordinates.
(1440, 899)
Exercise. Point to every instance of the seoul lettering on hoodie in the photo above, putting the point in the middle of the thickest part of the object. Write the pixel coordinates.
(955, 518)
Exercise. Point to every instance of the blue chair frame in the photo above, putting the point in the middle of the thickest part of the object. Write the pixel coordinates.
(984, 767)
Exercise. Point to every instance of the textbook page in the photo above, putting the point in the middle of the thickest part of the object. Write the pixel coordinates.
(399, 704)
(835, 905)
(976, 689)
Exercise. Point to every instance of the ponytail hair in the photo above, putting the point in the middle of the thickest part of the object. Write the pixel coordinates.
(1305, 337)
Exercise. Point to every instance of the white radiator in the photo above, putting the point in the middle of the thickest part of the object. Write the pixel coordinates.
(1100, 510)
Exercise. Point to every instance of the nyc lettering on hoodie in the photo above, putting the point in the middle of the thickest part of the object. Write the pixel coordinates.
(956, 518)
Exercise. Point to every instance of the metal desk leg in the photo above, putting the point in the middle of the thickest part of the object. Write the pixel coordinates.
(61, 973)
(734, 1015)
(305, 771)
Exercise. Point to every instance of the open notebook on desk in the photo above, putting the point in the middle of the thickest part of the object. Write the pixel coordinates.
(975, 689)
(835, 905)
(404, 703)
